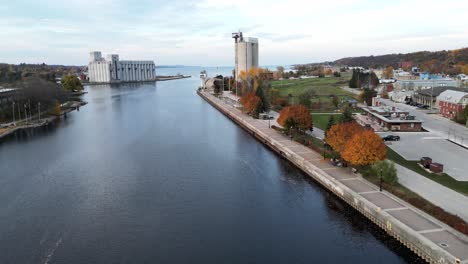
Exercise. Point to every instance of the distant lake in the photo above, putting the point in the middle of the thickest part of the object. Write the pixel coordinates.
(151, 173)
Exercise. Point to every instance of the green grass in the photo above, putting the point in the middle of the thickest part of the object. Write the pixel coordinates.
(444, 179)
(321, 120)
(321, 86)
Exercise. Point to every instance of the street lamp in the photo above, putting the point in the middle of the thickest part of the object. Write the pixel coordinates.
(13, 107)
(381, 171)
(324, 146)
(39, 110)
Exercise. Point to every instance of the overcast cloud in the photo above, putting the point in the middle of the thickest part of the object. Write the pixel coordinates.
(199, 32)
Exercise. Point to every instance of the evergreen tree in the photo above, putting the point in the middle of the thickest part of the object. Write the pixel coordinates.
(331, 122)
(347, 115)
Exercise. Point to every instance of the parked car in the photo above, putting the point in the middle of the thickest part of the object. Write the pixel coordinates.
(391, 138)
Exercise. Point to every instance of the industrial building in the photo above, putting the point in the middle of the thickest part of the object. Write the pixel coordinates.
(246, 53)
(112, 69)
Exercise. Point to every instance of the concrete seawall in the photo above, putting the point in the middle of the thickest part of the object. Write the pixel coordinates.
(427, 237)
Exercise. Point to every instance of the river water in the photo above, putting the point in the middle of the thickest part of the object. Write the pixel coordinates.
(151, 173)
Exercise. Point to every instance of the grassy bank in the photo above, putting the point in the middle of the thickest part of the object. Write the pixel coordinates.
(444, 179)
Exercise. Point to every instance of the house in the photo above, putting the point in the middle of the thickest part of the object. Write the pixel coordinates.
(452, 102)
(428, 96)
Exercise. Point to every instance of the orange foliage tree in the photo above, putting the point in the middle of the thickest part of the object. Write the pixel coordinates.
(295, 116)
(364, 148)
(250, 102)
(338, 135)
(388, 72)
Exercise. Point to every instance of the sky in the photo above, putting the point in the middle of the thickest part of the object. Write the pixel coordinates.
(199, 32)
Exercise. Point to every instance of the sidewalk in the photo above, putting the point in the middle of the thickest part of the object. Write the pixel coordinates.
(439, 195)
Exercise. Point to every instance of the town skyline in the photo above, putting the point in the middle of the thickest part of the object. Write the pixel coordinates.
(290, 32)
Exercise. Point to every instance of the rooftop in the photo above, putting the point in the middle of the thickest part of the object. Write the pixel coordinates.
(391, 115)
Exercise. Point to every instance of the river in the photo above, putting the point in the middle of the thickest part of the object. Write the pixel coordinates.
(151, 173)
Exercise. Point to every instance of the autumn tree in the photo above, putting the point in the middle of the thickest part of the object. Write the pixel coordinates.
(338, 135)
(364, 148)
(56, 110)
(388, 72)
(328, 71)
(71, 82)
(252, 81)
(250, 102)
(295, 116)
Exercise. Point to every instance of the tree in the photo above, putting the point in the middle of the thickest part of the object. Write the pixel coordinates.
(56, 110)
(388, 170)
(328, 71)
(388, 72)
(250, 102)
(347, 115)
(71, 83)
(305, 98)
(331, 122)
(364, 148)
(335, 101)
(338, 135)
(280, 70)
(298, 116)
(367, 95)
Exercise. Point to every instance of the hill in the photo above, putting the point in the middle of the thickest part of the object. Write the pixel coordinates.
(446, 61)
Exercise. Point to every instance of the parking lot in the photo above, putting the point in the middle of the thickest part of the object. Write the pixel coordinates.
(414, 145)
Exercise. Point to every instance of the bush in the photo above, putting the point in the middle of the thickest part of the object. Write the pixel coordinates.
(389, 172)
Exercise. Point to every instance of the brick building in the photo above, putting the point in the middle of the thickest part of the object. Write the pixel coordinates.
(451, 103)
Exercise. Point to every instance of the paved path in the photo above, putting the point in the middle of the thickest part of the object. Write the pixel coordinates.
(428, 227)
(439, 195)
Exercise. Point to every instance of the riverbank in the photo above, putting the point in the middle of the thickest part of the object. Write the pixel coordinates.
(427, 237)
(43, 122)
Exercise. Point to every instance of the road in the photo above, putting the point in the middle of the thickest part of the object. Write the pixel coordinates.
(439, 195)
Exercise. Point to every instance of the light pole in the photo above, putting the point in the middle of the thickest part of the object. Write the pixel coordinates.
(381, 171)
(39, 110)
(324, 146)
(13, 107)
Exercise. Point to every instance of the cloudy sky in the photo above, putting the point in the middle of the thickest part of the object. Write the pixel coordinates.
(199, 32)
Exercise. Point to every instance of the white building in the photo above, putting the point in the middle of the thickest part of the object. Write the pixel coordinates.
(114, 70)
(246, 52)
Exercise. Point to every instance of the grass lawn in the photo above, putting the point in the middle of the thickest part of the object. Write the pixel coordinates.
(322, 86)
(444, 179)
(321, 120)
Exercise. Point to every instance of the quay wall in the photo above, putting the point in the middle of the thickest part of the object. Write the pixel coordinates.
(413, 240)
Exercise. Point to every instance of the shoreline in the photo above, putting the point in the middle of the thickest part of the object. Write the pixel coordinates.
(451, 248)
(43, 122)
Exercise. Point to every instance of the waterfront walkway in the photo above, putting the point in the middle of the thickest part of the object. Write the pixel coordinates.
(422, 228)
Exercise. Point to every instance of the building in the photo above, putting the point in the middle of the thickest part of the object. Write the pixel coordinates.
(388, 118)
(246, 53)
(429, 96)
(114, 70)
(452, 102)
